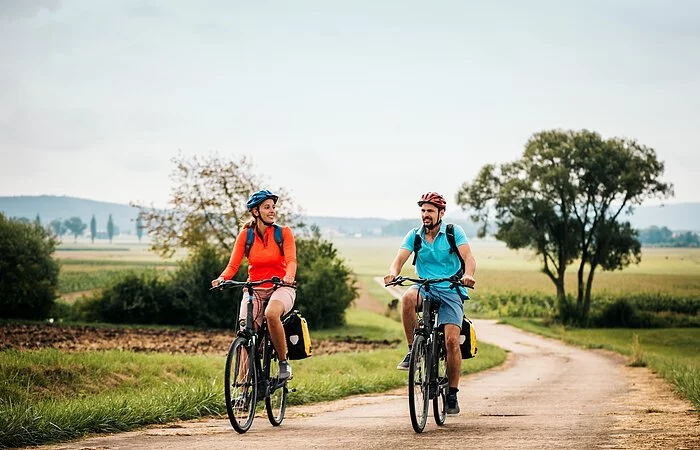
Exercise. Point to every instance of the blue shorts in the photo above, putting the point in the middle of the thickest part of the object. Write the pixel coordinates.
(451, 307)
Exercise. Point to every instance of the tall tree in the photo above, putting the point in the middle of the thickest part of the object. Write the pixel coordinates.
(139, 227)
(58, 227)
(76, 226)
(37, 220)
(93, 229)
(110, 228)
(208, 204)
(565, 199)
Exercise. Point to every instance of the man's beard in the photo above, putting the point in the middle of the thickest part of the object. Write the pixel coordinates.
(431, 226)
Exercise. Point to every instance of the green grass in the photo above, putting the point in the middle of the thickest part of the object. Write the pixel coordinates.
(671, 352)
(361, 324)
(374, 289)
(48, 396)
(82, 281)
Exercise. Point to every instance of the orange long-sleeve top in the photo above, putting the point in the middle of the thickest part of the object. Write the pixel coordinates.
(265, 259)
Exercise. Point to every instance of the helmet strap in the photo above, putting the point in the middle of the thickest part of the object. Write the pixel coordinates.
(259, 217)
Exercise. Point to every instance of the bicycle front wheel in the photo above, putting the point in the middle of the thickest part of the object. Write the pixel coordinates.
(276, 398)
(418, 378)
(240, 384)
(440, 399)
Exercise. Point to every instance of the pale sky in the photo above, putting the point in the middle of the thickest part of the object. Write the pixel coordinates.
(356, 107)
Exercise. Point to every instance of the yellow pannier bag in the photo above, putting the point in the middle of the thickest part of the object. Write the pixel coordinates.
(298, 339)
(467, 339)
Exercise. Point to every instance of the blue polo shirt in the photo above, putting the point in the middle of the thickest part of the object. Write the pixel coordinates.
(434, 259)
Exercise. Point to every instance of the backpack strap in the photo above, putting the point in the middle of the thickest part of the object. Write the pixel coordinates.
(250, 238)
(417, 243)
(450, 232)
(279, 238)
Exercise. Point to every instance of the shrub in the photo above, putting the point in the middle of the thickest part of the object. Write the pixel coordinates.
(28, 272)
(193, 303)
(326, 289)
(326, 284)
(136, 298)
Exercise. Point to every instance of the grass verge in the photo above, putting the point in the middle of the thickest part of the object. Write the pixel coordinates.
(50, 396)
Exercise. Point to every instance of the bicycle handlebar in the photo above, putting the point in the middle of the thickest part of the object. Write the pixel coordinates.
(250, 284)
(400, 281)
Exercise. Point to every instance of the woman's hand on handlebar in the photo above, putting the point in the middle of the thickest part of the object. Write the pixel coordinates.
(217, 282)
(289, 279)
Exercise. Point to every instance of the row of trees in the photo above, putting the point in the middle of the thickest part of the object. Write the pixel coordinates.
(76, 227)
(663, 237)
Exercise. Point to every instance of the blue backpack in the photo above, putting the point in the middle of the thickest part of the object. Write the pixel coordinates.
(250, 237)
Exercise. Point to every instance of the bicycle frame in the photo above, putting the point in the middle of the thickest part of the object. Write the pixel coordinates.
(250, 359)
(428, 328)
(254, 337)
(428, 342)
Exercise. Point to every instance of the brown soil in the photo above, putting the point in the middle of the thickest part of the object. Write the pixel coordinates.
(182, 341)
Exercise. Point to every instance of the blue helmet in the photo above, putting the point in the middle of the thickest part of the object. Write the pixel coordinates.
(259, 197)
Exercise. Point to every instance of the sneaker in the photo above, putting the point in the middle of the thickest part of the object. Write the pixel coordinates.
(241, 402)
(285, 372)
(403, 365)
(452, 404)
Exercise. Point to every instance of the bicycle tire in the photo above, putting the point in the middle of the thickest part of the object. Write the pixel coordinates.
(418, 379)
(440, 399)
(276, 395)
(240, 389)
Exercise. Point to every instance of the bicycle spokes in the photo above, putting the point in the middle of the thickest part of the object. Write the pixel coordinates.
(418, 378)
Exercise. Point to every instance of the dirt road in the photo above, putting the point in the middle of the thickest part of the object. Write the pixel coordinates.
(547, 395)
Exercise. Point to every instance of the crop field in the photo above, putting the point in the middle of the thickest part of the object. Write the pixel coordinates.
(86, 267)
(500, 270)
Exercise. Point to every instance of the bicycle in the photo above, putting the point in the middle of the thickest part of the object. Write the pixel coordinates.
(427, 370)
(252, 365)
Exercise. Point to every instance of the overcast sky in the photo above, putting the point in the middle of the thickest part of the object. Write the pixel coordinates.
(356, 107)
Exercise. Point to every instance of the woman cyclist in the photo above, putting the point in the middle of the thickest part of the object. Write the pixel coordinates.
(266, 259)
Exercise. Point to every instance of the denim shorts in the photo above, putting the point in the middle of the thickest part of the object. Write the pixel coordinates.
(451, 304)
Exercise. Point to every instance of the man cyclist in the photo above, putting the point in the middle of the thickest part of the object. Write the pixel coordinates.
(266, 259)
(435, 260)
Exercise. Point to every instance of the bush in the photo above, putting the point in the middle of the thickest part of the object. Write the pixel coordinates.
(28, 272)
(135, 298)
(326, 284)
(183, 298)
(193, 303)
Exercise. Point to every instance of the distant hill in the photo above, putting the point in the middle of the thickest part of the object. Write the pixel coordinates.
(50, 207)
(677, 217)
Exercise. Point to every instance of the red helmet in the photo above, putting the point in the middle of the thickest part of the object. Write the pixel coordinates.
(434, 199)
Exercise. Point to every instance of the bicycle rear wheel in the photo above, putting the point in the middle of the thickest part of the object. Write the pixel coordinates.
(440, 400)
(418, 378)
(240, 384)
(276, 398)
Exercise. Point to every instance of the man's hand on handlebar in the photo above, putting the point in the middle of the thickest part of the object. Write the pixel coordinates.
(389, 278)
(468, 281)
